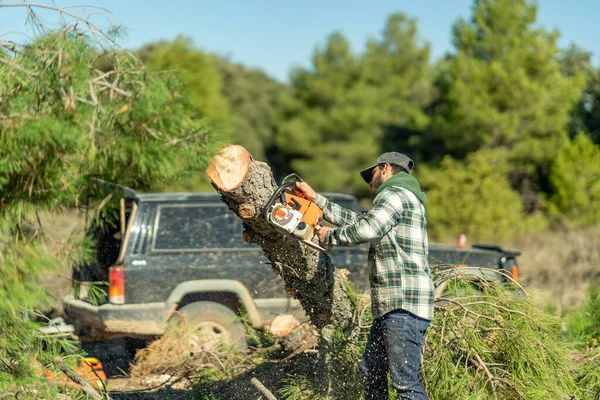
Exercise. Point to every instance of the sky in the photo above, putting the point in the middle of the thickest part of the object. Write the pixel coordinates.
(276, 35)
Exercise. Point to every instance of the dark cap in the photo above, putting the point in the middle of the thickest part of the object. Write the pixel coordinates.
(392, 158)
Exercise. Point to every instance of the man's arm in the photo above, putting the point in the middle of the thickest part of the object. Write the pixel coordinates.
(374, 224)
(335, 213)
(332, 212)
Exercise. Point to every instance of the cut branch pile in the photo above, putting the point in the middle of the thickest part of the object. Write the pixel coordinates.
(492, 341)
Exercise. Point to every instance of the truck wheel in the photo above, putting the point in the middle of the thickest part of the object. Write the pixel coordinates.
(214, 322)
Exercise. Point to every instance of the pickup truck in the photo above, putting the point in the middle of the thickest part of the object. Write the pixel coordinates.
(174, 255)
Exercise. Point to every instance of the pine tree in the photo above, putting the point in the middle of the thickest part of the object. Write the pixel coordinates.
(197, 71)
(63, 122)
(334, 123)
(586, 116)
(254, 99)
(575, 178)
(504, 89)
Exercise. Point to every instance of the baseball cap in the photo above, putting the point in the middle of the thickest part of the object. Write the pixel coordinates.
(392, 158)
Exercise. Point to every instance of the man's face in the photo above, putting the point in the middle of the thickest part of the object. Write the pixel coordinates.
(378, 178)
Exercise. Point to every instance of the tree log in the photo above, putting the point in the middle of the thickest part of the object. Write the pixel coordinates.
(245, 184)
(283, 325)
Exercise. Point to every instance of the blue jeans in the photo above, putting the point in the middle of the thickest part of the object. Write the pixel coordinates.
(394, 345)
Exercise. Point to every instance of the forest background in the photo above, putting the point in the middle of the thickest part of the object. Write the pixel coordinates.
(504, 129)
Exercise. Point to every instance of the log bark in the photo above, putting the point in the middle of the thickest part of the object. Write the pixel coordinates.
(246, 185)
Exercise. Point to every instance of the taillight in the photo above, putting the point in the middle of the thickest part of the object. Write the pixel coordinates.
(515, 272)
(116, 285)
(462, 241)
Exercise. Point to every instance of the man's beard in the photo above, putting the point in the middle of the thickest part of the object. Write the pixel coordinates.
(376, 182)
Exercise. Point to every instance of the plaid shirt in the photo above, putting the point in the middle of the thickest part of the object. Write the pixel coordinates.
(397, 229)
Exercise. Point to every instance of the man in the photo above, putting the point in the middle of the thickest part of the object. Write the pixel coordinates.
(401, 285)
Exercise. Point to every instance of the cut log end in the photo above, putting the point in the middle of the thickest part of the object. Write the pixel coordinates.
(247, 211)
(283, 325)
(228, 169)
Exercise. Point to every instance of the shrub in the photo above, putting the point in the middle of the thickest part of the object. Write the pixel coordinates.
(575, 179)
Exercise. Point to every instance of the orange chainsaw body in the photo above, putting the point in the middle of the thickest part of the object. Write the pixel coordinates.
(293, 214)
(312, 215)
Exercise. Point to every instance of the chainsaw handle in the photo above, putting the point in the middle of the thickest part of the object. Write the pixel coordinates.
(290, 175)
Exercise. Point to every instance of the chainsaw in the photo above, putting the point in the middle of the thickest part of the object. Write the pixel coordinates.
(292, 214)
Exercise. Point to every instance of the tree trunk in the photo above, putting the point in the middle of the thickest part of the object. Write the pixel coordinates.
(246, 185)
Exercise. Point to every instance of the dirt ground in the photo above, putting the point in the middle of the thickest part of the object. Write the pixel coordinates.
(118, 360)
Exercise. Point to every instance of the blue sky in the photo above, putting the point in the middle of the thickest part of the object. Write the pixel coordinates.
(275, 35)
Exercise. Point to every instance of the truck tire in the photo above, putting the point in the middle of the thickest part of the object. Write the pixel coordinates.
(217, 323)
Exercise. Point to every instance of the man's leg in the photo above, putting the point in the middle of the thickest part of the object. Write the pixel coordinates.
(404, 334)
(374, 364)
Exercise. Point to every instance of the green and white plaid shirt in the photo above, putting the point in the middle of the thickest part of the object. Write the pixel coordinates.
(397, 229)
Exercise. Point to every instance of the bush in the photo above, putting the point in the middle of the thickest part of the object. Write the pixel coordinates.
(575, 179)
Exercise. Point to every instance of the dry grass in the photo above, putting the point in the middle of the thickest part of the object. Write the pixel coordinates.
(559, 266)
(183, 350)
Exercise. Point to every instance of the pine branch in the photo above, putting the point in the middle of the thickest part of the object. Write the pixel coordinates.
(10, 45)
(85, 386)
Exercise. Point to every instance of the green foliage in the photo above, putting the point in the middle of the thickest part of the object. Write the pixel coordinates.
(21, 268)
(25, 355)
(254, 99)
(333, 125)
(345, 351)
(139, 133)
(583, 324)
(491, 343)
(587, 376)
(504, 88)
(345, 347)
(298, 388)
(63, 122)
(586, 116)
(198, 73)
(486, 341)
(589, 106)
(257, 338)
(244, 102)
(474, 197)
(575, 178)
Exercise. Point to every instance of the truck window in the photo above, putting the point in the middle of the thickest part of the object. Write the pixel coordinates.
(197, 227)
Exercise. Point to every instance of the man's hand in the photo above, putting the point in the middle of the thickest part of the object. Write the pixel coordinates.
(306, 191)
(322, 233)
